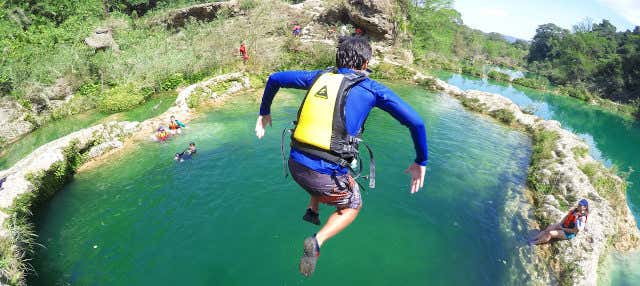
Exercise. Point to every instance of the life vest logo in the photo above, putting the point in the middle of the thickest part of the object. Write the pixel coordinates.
(322, 93)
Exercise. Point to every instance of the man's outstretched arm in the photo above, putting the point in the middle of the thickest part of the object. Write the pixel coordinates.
(286, 79)
(401, 111)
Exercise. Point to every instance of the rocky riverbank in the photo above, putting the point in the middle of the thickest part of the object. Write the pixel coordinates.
(38, 176)
(561, 173)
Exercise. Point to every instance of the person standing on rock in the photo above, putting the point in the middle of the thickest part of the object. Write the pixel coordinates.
(243, 53)
(325, 140)
(569, 226)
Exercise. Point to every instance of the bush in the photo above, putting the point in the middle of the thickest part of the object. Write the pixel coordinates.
(499, 76)
(504, 115)
(196, 97)
(429, 83)
(172, 82)
(536, 83)
(472, 104)
(472, 70)
(391, 72)
(578, 92)
(544, 142)
(120, 98)
(89, 90)
(248, 4)
(6, 85)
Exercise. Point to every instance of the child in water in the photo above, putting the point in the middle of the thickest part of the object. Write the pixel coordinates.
(162, 135)
(175, 125)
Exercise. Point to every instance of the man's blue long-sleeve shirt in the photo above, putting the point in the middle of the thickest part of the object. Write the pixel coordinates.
(362, 98)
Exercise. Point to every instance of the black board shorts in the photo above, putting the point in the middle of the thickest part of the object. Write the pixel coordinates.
(340, 191)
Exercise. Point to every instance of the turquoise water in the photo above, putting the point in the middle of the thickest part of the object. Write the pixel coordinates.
(59, 128)
(228, 217)
(613, 139)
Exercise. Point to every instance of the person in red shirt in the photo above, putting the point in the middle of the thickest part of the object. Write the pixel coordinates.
(296, 30)
(243, 53)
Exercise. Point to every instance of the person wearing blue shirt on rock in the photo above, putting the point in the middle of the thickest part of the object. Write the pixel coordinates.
(328, 130)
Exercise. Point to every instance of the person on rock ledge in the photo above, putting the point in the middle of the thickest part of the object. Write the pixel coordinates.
(569, 226)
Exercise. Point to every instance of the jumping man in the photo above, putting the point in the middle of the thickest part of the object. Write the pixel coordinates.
(324, 143)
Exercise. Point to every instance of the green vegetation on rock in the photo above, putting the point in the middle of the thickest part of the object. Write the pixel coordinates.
(121, 98)
(18, 247)
(499, 76)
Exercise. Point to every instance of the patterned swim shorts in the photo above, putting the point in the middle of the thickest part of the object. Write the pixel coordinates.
(340, 191)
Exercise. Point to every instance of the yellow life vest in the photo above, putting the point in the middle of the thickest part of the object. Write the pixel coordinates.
(320, 128)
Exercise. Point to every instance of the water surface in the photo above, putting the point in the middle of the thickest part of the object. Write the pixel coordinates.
(229, 217)
(613, 139)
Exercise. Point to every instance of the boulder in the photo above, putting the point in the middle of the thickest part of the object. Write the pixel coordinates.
(374, 17)
(60, 90)
(102, 39)
(12, 115)
(201, 12)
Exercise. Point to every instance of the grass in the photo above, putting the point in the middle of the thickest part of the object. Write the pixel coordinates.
(604, 180)
(158, 59)
(580, 152)
(543, 145)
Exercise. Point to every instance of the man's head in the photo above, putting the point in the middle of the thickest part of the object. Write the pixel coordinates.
(173, 118)
(353, 53)
(192, 144)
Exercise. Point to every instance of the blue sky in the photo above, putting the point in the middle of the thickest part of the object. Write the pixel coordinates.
(521, 18)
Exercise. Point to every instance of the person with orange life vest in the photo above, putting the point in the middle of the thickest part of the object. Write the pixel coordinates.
(568, 227)
(243, 52)
(162, 134)
(175, 125)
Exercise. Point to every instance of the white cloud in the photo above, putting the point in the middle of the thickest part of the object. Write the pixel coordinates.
(629, 9)
(494, 12)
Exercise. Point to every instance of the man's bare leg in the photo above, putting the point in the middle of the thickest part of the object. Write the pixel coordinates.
(313, 204)
(338, 221)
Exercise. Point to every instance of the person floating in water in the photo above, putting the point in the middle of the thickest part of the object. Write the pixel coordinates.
(162, 135)
(568, 227)
(319, 163)
(187, 153)
(175, 125)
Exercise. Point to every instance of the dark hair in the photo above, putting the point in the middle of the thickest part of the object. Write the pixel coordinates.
(352, 52)
(192, 144)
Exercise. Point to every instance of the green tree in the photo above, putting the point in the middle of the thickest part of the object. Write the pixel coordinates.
(546, 37)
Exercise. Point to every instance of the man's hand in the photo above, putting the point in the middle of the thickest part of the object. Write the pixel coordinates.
(261, 124)
(417, 176)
